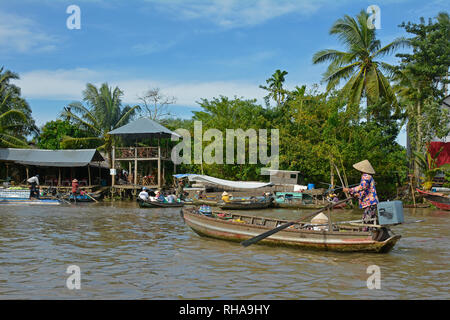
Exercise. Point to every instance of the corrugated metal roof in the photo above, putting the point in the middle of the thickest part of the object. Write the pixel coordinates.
(51, 158)
(142, 128)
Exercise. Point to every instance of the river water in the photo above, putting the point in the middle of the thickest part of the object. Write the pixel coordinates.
(125, 252)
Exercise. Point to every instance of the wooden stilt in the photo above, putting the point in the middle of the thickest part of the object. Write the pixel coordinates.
(113, 178)
(159, 166)
(89, 174)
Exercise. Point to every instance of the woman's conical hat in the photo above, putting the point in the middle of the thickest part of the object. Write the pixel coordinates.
(319, 219)
(364, 166)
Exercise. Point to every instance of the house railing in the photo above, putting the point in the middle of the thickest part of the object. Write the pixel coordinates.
(129, 153)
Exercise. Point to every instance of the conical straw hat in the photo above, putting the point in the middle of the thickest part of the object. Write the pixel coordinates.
(319, 219)
(364, 166)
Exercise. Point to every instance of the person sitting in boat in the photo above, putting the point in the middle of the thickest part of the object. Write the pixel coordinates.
(226, 196)
(332, 197)
(143, 195)
(34, 189)
(200, 194)
(365, 191)
(160, 196)
(75, 187)
(171, 198)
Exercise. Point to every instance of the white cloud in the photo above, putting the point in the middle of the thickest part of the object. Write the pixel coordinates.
(66, 84)
(152, 47)
(235, 13)
(19, 34)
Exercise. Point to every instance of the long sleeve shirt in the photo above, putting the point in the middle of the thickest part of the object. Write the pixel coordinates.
(366, 191)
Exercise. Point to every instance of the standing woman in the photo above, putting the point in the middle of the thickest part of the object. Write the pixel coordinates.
(366, 192)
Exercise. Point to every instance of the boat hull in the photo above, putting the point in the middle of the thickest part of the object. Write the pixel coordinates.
(291, 237)
(199, 202)
(45, 202)
(244, 205)
(154, 204)
(439, 200)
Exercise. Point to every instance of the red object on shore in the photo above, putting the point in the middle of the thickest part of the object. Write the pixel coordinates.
(444, 156)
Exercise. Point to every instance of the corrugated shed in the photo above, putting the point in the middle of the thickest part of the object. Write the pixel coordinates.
(50, 158)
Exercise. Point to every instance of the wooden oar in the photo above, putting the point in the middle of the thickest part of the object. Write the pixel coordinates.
(56, 198)
(264, 235)
(91, 197)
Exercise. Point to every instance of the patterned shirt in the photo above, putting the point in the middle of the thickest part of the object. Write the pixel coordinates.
(366, 191)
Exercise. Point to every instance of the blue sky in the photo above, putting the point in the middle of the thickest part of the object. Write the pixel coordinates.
(190, 49)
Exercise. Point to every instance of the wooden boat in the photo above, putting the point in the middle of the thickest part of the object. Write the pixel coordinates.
(237, 227)
(297, 200)
(439, 200)
(247, 204)
(157, 204)
(199, 202)
(83, 197)
(19, 201)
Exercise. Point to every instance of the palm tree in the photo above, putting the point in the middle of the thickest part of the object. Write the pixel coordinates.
(358, 65)
(275, 88)
(15, 115)
(103, 113)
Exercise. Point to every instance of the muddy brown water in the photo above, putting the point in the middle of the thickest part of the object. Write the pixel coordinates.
(125, 252)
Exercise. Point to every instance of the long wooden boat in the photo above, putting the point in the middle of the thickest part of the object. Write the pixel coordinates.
(244, 204)
(440, 200)
(19, 201)
(237, 227)
(83, 197)
(199, 202)
(157, 204)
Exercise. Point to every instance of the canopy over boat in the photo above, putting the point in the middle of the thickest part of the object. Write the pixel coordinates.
(222, 182)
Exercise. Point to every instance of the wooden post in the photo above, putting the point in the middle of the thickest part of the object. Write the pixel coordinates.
(135, 165)
(129, 172)
(135, 171)
(159, 166)
(113, 178)
(330, 225)
(59, 177)
(89, 174)
(26, 169)
(412, 189)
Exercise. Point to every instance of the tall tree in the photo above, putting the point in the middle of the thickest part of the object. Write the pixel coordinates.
(358, 65)
(155, 104)
(103, 113)
(15, 113)
(275, 87)
(422, 81)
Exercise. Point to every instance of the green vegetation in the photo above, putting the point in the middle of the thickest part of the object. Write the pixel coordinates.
(15, 113)
(357, 65)
(103, 113)
(53, 132)
(422, 78)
